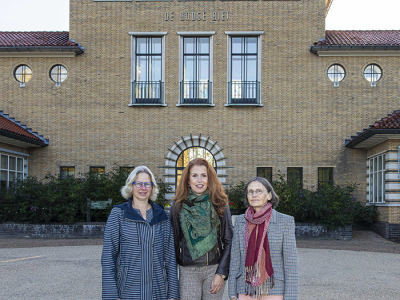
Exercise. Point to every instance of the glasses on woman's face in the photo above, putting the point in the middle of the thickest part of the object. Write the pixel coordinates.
(257, 192)
(139, 184)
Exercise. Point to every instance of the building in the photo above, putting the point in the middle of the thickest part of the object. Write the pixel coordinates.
(257, 87)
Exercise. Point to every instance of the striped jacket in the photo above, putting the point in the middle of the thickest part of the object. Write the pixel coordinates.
(138, 258)
(282, 244)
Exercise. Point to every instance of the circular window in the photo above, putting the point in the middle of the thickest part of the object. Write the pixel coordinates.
(58, 73)
(373, 73)
(23, 73)
(336, 73)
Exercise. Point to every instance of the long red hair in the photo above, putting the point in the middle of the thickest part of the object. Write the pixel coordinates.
(215, 189)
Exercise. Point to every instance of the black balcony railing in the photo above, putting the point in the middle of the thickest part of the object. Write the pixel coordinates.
(147, 92)
(244, 92)
(195, 92)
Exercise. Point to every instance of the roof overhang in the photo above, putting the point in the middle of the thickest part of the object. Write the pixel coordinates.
(372, 137)
(364, 50)
(48, 51)
(20, 141)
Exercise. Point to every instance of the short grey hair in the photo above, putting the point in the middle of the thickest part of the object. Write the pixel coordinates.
(275, 198)
(127, 191)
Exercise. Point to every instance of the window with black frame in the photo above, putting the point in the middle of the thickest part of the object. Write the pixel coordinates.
(295, 176)
(196, 86)
(67, 172)
(265, 172)
(325, 177)
(244, 87)
(148, 85)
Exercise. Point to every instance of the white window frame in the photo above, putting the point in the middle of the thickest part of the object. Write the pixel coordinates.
(17, 156)
(229, 35)
(374, 175)
(134, 35)
(210, 35)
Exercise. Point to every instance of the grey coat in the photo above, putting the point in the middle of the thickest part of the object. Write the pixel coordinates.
(282, 243)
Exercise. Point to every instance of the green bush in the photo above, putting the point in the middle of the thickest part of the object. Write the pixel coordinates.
(332, 206)
(162, 190)
(236, 195)
(65, 200)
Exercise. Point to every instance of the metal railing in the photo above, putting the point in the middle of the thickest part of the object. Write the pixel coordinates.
(195, 92)
(244, 92)
(147, 92)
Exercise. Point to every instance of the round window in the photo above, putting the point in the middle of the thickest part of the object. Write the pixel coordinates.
(58, 73)
(23, 73)
(373, 73)
(336, 73)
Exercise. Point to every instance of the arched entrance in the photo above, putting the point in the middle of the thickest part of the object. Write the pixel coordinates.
(191, 153)
(188, 148)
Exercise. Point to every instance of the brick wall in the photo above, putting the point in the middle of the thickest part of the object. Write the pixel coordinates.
(303, 123)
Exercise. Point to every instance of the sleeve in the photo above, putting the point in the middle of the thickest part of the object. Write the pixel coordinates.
(226, 235)
(170, 264)
(290, 261)
(234, 266)
(110, 254)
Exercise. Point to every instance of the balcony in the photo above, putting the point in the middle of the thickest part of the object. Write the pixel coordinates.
(195, 93)
(147, 93)
(244, 93)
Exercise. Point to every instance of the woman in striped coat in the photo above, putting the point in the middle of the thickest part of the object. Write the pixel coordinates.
(138, 257)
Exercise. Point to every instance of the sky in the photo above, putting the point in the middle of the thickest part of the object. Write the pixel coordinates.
(53, 15)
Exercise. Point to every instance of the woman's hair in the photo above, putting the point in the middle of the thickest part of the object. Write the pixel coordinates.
(275, 198)
(214, 187)
(126, 190)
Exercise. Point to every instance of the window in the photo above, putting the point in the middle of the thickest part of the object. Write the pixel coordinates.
(244, 68)
(126, 169)
(67, 171)
(196, 68)
(376, 179)
(373, 73)
(58, 74)
(97, 170)
(295, 176)
(336, 74)
(325, 177)
(148, 64)
(11, 168)
(23, 74)
(265, 172)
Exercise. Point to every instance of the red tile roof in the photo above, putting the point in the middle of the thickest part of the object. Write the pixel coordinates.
(360, 38)
(392, 121)
(36, 39)
(386, 125)
(11, 128)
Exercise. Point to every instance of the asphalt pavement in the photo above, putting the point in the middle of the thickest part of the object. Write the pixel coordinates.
(365, 268)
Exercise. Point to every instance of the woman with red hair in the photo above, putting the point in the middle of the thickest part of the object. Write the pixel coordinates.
(202, 226)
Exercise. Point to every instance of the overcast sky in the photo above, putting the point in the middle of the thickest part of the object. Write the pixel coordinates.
(52, 15)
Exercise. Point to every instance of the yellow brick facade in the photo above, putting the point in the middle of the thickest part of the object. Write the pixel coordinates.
(303, 122)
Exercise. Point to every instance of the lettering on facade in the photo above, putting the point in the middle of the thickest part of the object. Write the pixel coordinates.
(198, 16)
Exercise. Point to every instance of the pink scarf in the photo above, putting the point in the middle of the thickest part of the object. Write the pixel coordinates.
(258, 258)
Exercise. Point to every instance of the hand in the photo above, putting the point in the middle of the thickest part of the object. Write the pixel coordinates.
(216, 284)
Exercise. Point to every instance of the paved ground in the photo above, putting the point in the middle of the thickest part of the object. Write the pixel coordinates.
(365, 268)
(362, 241)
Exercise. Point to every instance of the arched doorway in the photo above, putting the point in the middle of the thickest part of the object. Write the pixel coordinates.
(189, 154)
(185, 150)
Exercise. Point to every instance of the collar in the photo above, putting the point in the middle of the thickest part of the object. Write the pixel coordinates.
(159, 214)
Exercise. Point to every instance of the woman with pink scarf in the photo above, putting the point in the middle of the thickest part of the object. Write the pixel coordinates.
(264, 254)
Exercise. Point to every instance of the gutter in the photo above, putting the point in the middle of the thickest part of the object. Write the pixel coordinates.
(355, 140)
(324, 48)
(77, 49)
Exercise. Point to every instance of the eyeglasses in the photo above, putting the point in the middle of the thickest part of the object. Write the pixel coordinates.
(258, 192)
(139, 184)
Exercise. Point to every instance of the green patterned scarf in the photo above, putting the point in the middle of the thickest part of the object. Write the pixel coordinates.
(200, 223)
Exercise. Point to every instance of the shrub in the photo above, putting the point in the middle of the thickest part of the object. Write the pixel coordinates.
(65, 200)
(236, 195)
